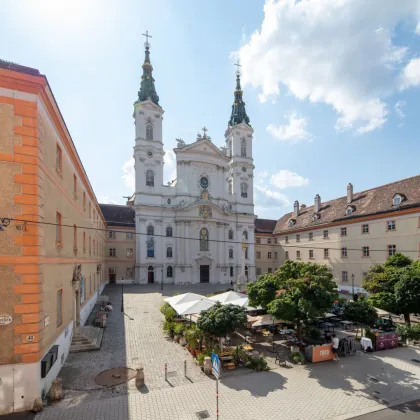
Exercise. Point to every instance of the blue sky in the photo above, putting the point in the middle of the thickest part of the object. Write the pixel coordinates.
(332, 87)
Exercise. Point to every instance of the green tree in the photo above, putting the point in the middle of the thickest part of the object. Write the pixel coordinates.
(361, 312)
(220, 320)
(394, 286)
(305, 291)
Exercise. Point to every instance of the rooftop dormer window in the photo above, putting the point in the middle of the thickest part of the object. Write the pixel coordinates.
(397, 199)
(315, 217)
(292, 222)
(350, 210)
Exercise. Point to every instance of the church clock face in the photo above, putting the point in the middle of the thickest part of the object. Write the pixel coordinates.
(204, 182)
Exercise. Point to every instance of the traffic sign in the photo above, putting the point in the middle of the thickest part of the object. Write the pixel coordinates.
(215, 363)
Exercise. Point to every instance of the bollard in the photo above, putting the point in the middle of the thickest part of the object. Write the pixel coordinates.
(185, 368)
(166, 371)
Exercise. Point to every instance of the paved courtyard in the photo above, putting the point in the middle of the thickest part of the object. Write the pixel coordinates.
(329, 390)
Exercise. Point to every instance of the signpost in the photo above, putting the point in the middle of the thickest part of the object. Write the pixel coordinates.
(215, 364)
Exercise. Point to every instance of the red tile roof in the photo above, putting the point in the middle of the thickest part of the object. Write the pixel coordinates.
(370, 202)
(264, 225)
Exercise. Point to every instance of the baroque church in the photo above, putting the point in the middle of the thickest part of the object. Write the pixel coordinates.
(200, 227)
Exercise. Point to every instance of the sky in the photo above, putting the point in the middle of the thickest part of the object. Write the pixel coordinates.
(331, 86)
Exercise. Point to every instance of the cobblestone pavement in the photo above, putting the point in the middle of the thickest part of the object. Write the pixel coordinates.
(313, 391)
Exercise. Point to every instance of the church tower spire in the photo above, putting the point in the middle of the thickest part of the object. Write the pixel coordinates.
(147, 86)
(239, 114)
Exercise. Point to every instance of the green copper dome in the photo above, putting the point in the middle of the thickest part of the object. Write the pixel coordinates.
(147, 86)
(239, 114)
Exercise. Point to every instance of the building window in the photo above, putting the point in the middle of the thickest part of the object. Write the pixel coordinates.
(258, 240)
(169, 252)
(246, 253)
(84, 200)
(325, 234)
(150, 178)
(344, 276)
(243, 147)
(150, 230)
(230, 234)
(392, 249)
(244, 190)
(111, 234)
(343, 252)
(245, 234)
(269, 255)
(129, 272)
(286, 239)
(391, 224)
(397, 200)
(74, 185)
(59, 158)
(311, 253)
(326, 253)
(343, 231)
(150, 247)
(230, 187)
(149, 132)
(169, 271)
(275, 240)
(129, 235)
(204, 239)
(59, 307)
(84, 241)
(269, 241)
(258, 271)
(231, 271)
(58, 228)
(129, 252)
(269, 270)
(230, 253)
(349, 211)
(365, 251)
(365, 228)
(74, 237)
(297, 238)
(298, 255)
(286, 255)
(112, 252)
(275, 255)
(258, 255)
(169, 231)
(311, 236)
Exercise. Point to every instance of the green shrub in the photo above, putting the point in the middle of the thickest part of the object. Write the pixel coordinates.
(411, 332)
(314, 333)
(257, 363)
(179, 328)
(297, 357)
(169, 327)
(168, 312)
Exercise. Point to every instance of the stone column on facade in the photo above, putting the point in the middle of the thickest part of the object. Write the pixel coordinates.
(251, 253)
(219, 254)
(178, 242)
(140, 247)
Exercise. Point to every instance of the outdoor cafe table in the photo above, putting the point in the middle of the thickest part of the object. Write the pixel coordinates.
(347, 324)
(328, 325)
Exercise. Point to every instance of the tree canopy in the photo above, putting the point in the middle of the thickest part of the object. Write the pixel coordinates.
(220, 320)
(361, 312)
(395, 285)
(304, 292)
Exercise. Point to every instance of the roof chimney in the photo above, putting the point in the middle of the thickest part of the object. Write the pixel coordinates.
(296, 208)
(317, 203)
(349, 193)
(302, 206)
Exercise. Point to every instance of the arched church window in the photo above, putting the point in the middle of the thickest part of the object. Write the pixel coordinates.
(169, 231)
(246, 271)
(245, 234)
(149, 132)
(169, 271)
(246, 253)
(150, 178)
(150, 230)
(244, 190)
(169, 252)
(231, 271)
(230, 188)
(230, 253)
(243, 147)
(204, 239)
(231, 234)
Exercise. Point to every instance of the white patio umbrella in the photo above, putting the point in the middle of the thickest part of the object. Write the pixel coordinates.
(266, 320)
(228, 297)
(184, 298)
(193, 307)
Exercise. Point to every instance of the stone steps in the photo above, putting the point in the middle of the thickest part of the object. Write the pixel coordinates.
(86, 339)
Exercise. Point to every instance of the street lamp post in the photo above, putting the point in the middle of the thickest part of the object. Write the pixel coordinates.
(352, 283)
(161, 282)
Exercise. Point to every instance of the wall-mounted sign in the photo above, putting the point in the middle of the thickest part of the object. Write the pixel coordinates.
(5, 319)
(46, 320)
(30, 338)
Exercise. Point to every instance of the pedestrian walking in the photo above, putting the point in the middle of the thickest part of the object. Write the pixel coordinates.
(335, 343)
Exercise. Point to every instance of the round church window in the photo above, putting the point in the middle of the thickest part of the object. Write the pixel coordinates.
(243, 168)
(204, 182)
(149, 153)
(169, 201)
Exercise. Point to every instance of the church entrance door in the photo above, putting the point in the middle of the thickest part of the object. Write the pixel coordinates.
(204, 273)
(150, 275)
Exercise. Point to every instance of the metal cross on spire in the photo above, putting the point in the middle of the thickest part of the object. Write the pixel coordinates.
(238, 65)
(146, 44)
(204, 131)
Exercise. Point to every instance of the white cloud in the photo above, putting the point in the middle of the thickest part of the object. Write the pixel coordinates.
(261, 177)
(418, 29)
(287, 179)
(267, 198)
(340, 52)
(128, 174)
(398, 107)
(104, 199)
(293, 132)
(169, 167)
(411, 73)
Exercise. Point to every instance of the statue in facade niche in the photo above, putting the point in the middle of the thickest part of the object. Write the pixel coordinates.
(180, 143)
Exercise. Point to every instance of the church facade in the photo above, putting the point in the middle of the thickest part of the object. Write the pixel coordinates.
(199, 227)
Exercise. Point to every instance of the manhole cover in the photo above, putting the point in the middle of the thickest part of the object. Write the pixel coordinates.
(203, 414)
(115, 376)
